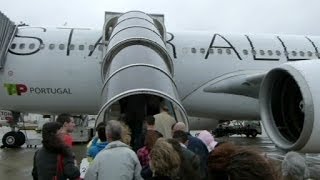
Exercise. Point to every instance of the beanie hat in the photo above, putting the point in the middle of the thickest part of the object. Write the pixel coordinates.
(207, 138)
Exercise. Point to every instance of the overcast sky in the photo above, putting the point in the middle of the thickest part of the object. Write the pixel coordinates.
(240, 16)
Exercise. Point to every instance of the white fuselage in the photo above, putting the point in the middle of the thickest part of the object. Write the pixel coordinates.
(42, 75)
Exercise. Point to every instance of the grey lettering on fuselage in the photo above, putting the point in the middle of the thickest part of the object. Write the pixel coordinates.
(37, 49)
(172, 45)
(169, 42)
(70, 37)
(212, 45)
(98, 42)
(254, 54)
(50, 91)
(314, 46)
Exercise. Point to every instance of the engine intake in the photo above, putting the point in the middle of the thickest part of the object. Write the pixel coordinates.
(289, 106)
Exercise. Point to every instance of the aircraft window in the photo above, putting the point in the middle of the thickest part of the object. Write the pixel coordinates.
(100, 47)
(294, 53)
(13, 46)
(219, 51)
(193, 50)
(286, 53)
(51, 46)
(254, 52)
(91, 48)
(262, 52)
(228, 51)
(61, 46)
(278, 53)
(81, 47)
(245, 52)
(21, 46)
(309, 53)
(71, 47)
(270, 53)
(301, 53)
(31, 46)
(42, 46)
(202, 50)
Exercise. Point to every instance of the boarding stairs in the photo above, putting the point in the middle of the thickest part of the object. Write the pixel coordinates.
(136, 63)
(7, 32)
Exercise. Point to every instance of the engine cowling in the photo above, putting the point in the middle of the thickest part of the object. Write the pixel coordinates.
(289, 105)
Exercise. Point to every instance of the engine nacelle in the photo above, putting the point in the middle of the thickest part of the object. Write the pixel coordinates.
(289, 105)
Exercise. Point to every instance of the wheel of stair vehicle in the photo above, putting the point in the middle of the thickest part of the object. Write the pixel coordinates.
(254, 133)
(21, 138)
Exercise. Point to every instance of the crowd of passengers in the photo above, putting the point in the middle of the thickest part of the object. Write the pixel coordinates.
(164, 150)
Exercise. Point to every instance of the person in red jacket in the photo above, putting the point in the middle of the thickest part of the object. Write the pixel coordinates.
(67, 122)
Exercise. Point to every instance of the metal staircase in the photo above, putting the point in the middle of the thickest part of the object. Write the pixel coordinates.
(7, 31)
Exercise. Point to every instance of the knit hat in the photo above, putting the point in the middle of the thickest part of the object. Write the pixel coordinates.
(207, 138)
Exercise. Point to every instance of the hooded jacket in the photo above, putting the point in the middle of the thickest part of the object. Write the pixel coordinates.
(96, 147)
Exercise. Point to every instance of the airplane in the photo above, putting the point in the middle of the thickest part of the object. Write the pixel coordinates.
(203, 77)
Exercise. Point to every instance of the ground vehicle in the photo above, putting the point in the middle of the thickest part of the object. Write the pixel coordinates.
(248, 128)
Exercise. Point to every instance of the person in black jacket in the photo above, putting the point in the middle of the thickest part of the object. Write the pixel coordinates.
(195, 145)
(190, 162)
(54, 151)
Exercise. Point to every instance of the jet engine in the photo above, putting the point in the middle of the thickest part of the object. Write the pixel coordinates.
(289, 105)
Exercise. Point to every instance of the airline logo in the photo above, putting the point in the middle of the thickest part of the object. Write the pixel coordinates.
(20, 89)
(16, 89)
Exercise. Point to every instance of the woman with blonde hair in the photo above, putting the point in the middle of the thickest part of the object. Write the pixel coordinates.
(164, 160)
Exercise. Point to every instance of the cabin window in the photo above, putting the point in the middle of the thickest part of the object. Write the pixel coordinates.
(219, 51)
(193, 50)
(309, 53)
(245, 52)
(301, 53)
(22, 46)
(31, 46)
(91, 48)
(81, 47)
(253, 52)
(286, 53)
(228, 51)
(278, 53)
(61, 46)
(71, 47)
(270, 53)
(294, 53)
(211, 51)
(262, 52)
(202, 50)
(51, 46)
(13, 46)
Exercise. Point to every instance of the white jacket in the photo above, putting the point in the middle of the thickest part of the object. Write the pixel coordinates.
(115, 162)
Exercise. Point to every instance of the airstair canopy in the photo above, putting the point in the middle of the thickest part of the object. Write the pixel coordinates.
(7, 32)
(136, 64)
